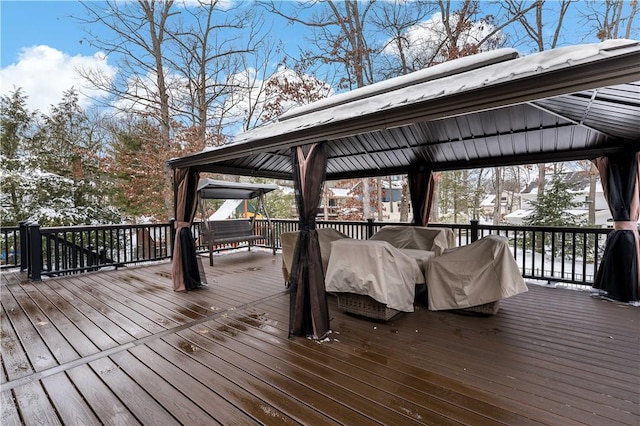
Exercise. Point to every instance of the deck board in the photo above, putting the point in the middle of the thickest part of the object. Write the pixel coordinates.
(68, 402)
(106, 405)
(393, 387)
(120, 347)
(247, 395)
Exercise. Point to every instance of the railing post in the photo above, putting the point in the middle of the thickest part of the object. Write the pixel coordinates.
(90, 255)
(102, 257)
(172, 233)
(24, 253)
(474, 230)
(35, 252)
(369, 228)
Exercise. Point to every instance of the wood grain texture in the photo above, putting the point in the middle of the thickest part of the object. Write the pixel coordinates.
(121, 347)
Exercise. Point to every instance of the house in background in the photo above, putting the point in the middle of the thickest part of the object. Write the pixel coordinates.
(580, 181)
(488, 206)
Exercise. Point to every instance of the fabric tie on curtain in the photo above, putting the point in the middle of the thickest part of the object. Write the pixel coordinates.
(309, 313)
(618, 275)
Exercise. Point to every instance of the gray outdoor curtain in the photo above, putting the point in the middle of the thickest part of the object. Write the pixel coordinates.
(184, 267)
(308, 310)
(421, 187)
(619, 271)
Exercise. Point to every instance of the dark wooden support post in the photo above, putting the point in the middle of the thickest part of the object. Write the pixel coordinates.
(35, 252)
(102, 257)
(90, 255)
(172, 232)
(24, 252)
(474, 230)
(369, 228)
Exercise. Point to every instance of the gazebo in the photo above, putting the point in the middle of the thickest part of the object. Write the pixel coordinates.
(492, 109)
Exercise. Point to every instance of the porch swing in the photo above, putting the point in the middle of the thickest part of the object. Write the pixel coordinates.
(233, 231)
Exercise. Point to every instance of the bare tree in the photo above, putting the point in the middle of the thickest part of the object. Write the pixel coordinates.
(200, 60)
(457, 29)
(611, 19)
(394, 20)
(205, 59)
(541, 21)
(138, 41)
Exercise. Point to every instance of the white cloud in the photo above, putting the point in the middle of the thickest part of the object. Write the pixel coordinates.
(424, 41)
(44, 73)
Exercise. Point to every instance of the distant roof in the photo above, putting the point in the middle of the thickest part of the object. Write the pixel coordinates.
(223, 190)
(578, 181)
(485, 110)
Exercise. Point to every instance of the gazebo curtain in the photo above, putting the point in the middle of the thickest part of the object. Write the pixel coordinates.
(619, 272)
(421, 187)
(186, 275)
(309, 314)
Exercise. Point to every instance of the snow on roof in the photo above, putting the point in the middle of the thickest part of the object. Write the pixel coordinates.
(455, 66)
(518, 214)
(580, 181)
(488, 200)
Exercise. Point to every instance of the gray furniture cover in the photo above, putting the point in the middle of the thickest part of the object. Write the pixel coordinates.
(288, 241)
(432, 239)
(481, 272)
(375, 269)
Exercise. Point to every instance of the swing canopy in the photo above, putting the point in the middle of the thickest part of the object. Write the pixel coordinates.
(222, 190)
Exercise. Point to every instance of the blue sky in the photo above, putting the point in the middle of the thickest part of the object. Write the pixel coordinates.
(31, 23)
(41, 47)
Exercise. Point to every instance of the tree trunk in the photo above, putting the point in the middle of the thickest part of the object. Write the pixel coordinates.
(379, 184)
(593, 179)
(435, 202)
(366, 199)
(497, 187)
(404, 202)
(390, 195)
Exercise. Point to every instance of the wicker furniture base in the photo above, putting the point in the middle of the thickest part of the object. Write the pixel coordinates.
(486, 309)
(364, 305)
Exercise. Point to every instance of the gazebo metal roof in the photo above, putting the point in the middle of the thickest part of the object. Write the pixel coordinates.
(485, 110)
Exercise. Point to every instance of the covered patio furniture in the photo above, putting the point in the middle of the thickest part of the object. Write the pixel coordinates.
(288, 240)
(475, 276)
(374, 269)
(432, 239)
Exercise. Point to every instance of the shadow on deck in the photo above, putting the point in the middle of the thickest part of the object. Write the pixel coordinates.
(122, 347)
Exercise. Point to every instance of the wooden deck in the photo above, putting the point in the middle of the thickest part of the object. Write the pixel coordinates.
(120, 347)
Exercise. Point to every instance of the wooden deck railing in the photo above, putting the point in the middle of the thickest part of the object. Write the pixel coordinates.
(9, 247)
(552, 254)
(75, 249)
